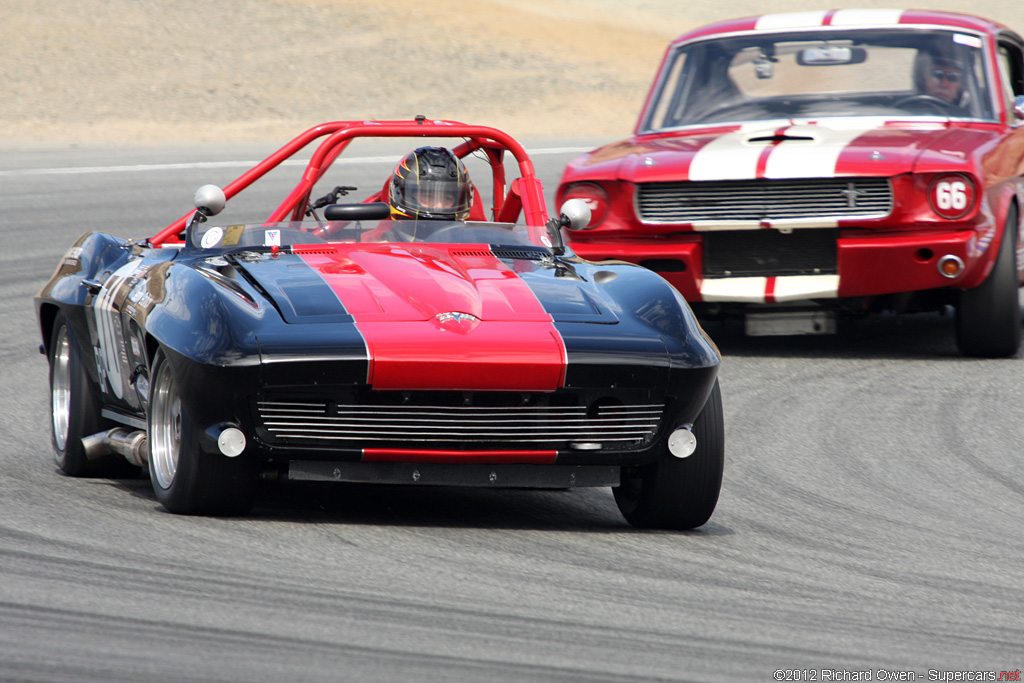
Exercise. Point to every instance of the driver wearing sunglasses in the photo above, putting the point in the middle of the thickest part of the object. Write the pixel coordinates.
(944, 80)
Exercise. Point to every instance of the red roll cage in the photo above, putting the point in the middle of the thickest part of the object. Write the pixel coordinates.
(525, 194)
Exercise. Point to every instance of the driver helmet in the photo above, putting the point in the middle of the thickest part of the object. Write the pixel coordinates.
(430, 183)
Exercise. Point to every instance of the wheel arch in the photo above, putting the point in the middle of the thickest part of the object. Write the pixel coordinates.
(1006, 201)
(47, 316)
(1013, 206)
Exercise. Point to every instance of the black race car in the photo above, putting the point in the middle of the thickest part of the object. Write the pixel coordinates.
(371, 342)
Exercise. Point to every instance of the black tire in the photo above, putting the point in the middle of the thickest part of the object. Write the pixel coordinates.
(679, 493)
(75, 409)
(988, 317)
(185, 479)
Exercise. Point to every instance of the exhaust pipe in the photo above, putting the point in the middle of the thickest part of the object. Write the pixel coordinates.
(131, 445)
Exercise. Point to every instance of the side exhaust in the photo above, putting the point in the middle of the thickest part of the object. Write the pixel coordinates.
(131, 445)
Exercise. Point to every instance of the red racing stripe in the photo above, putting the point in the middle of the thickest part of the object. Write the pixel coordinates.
(397, 293)
(762, 161)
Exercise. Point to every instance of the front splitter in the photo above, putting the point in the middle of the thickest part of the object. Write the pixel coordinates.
(446, 474)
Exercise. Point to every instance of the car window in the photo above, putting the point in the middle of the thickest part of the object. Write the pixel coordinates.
(877, 72)
(891, 71)
(1011, 72)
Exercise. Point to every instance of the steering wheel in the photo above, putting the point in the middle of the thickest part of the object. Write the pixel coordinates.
(937, 103)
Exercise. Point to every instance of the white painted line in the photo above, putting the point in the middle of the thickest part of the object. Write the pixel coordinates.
(141, 168)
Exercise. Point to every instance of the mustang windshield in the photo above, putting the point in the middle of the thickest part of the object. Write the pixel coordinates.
(232, 237)
(876, 72)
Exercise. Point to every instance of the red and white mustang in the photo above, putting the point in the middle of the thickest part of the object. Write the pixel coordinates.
(793, 167)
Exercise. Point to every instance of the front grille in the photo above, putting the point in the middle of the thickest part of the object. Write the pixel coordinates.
(764, 200)
(318, 423)
(739, 253)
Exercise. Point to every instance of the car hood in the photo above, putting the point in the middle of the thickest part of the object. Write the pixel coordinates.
(784, 149)
(466, 317)
(421, 282)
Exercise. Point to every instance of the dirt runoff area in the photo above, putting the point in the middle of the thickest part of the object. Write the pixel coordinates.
(82, 72)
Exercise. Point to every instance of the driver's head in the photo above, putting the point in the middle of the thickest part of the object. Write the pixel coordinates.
(940, 70)
(944, 79)
(430, 183)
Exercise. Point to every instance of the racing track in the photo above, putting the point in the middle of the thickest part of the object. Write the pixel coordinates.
(872, 517)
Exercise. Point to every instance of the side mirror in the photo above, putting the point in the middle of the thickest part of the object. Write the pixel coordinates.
(575, 214)
(210, 200)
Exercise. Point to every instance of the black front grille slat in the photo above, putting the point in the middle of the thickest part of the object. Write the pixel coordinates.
(748, 253)
(764, 200)
(299, 422)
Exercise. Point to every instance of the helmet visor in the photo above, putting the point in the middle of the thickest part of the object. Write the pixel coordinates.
(438, 197)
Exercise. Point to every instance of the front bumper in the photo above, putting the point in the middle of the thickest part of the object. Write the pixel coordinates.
(455, 474)
(865, 263)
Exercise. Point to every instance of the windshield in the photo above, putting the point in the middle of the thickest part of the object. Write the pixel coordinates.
(232, 237)
(866, 72)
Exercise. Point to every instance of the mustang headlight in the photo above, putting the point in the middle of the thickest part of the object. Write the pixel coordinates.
(952, 195)
(595, 198)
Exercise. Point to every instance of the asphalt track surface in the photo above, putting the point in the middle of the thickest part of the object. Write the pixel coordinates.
(871, 518)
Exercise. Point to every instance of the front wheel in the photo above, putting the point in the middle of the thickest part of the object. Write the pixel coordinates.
(988, 319)
(678, 493)
(185, 479)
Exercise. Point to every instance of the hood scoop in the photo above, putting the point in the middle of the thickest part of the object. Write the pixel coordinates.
(777, 138)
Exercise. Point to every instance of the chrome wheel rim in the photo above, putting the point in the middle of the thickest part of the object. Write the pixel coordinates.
(164, 427)
(60, 389)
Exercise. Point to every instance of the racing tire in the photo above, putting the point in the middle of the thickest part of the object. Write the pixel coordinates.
(988, 317)
(678, 493)
(185, 479)
(75, 409)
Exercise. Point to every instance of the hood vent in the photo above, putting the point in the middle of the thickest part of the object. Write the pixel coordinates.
(504, 252)
(519, 253)
(781, 138)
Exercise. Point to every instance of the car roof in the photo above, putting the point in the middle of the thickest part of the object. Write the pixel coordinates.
(853, 18)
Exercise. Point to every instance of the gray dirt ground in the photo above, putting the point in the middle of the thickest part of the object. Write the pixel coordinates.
(101, 72)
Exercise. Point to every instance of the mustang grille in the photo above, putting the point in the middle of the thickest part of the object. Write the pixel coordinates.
(747, 253)
(764, 200)
(323, 423)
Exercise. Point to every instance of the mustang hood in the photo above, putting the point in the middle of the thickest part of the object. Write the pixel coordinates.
(433, 316)
(783, 149)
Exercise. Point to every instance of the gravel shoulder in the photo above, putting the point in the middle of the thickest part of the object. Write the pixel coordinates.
(123, 72)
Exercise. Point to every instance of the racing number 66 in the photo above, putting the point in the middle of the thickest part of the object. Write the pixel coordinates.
(951, 195)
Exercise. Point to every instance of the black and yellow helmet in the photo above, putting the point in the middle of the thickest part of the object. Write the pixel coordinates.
(430, 183)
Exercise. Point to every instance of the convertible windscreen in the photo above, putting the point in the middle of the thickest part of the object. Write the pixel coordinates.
(287, 234)
(879, 72)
